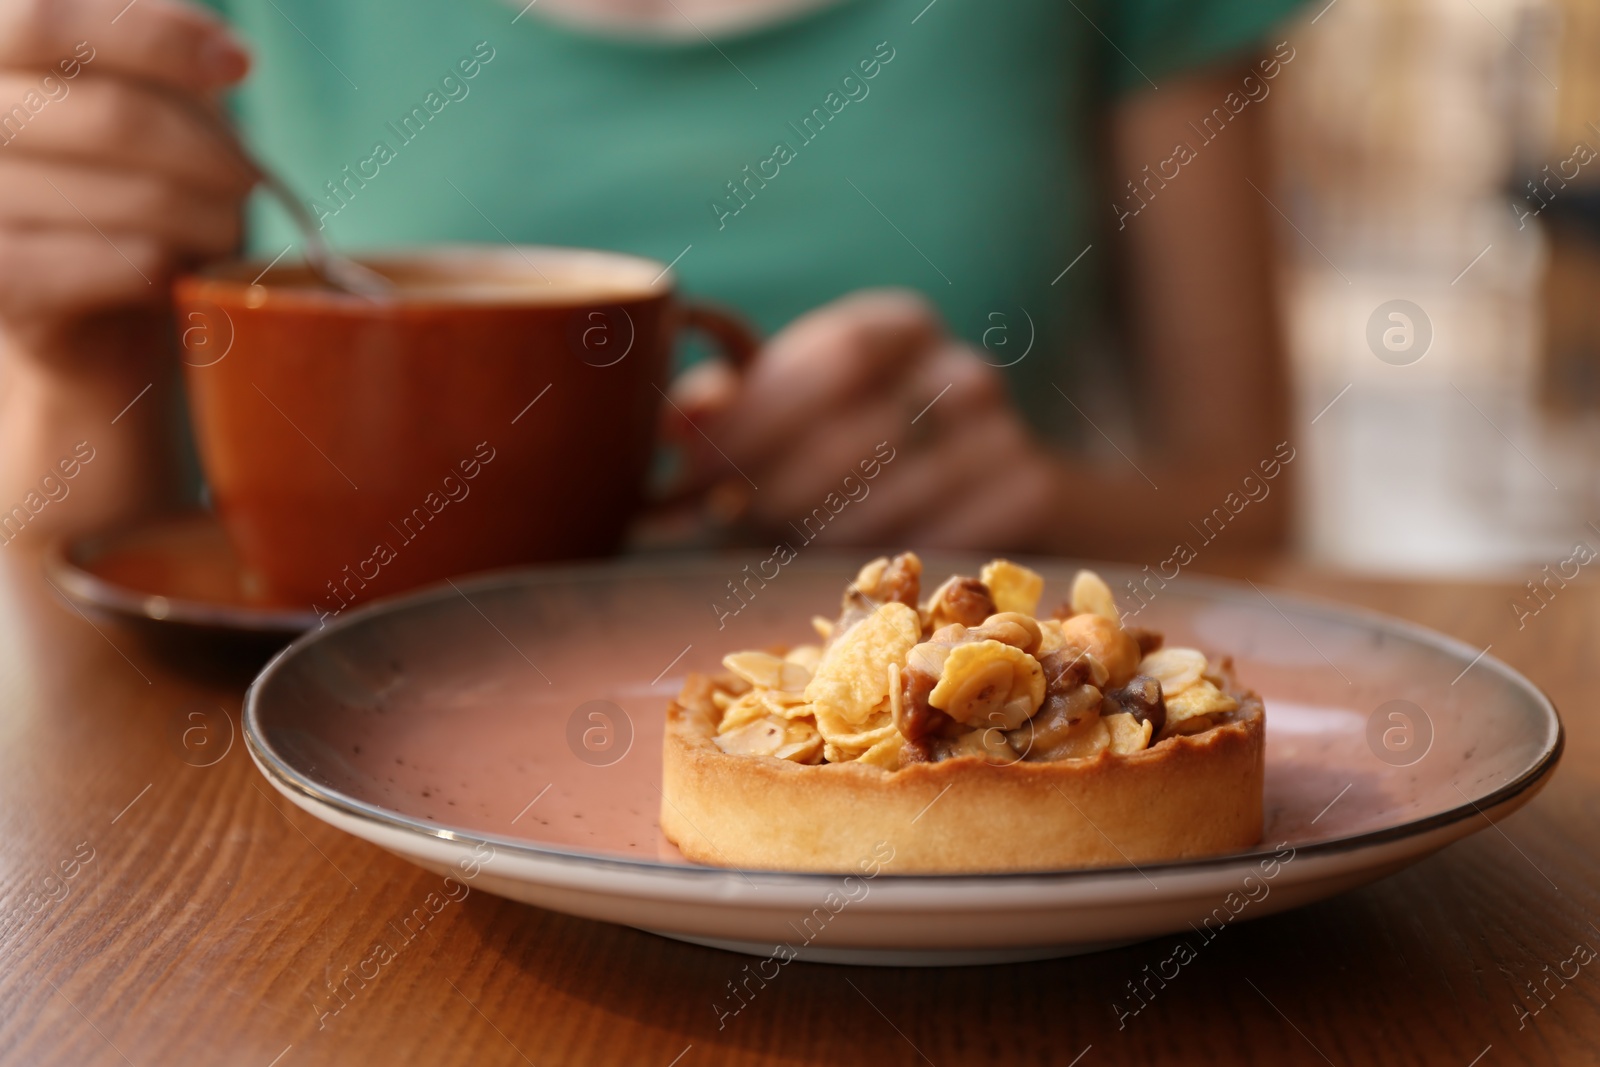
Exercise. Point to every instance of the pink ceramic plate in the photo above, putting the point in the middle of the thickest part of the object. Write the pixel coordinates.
(508, 729)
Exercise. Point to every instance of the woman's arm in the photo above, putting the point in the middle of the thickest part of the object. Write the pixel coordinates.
(1195, 271)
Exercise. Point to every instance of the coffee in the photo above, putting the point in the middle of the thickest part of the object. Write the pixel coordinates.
(450, 277)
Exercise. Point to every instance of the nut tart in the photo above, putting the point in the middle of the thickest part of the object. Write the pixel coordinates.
(968, 733)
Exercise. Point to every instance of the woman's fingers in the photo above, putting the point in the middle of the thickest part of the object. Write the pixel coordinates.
(162, 41)
(50, 275)
(1007, 508)
(824, 362)
(116, 124)
(110, 179)
(936, 393)
(58, 196)
(867, 378)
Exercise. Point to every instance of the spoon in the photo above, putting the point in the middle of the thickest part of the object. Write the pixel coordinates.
(339, 272)
(334, 270)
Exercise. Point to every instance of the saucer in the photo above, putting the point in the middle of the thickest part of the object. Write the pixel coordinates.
(507, 730)
(176, 570)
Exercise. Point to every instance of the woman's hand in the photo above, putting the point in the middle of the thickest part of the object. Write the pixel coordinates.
(108, 181)
(870, 376)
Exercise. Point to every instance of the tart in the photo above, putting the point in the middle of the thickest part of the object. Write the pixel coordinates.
(962, 732)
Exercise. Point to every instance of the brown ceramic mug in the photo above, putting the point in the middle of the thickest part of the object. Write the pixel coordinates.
(500, 410)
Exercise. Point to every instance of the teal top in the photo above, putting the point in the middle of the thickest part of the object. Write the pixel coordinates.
(944, 146)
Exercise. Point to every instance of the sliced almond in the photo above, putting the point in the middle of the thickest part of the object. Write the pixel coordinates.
(760, 738)
(767, 671)
(1128, 734)
(1092, 596)
(1175, 668)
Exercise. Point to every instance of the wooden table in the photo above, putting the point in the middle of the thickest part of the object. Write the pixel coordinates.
(203, 910)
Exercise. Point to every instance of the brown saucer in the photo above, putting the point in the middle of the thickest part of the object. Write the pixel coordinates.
(178, 570)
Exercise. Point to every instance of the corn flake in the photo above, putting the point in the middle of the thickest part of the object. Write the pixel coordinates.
(988, 678)
(1202, 698)
(843, 748)
(1012, 586)
(885, 753)
(852, 678)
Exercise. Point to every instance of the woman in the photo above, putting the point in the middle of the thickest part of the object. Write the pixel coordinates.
(813, 163)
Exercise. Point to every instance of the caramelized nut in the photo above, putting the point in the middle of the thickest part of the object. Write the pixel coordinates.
(1149, 640)
(914, 717)
(901, 580)
(898, 579)
(877, 583)
(1069, 667)
(1062, 726)
(929, 749)
(963, 600)
(1107, 641)
(1140, 698)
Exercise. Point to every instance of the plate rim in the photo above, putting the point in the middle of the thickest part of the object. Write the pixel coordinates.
(277, 769)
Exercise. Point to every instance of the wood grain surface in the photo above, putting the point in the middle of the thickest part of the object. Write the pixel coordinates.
(160, 904)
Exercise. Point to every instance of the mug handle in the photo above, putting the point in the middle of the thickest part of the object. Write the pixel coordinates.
(729, 333)
(737, 342)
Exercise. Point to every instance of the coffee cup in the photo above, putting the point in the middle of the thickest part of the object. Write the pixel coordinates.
(499, 409)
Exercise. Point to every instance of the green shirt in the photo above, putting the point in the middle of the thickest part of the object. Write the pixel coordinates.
(947, 147)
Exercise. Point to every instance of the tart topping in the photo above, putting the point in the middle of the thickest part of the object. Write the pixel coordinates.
(1014, 588)
(972, 672)
(959, 600)
(1128, 734)
(767, 671)
(851, 679)
(988, 683)
(1175, 668)
(1092, 596)
(1010, 628)
(884, 579)
(1140, 698)
(1109, 643)
(911, 685)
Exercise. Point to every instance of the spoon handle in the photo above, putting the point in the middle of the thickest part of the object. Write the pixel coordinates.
(339, 272)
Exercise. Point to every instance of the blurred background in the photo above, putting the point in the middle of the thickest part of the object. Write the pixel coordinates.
(1444, 153)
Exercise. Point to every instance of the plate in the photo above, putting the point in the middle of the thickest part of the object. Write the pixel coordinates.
(178, 571)
(505, 731)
